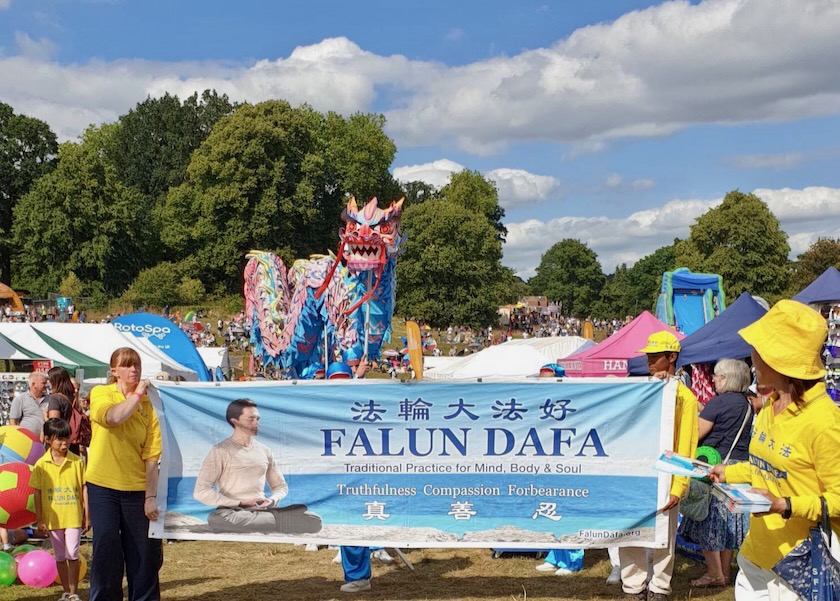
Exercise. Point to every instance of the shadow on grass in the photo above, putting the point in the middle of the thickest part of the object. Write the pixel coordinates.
(450, 579)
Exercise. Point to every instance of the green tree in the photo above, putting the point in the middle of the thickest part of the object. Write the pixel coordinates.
(155, 287)
(191, 291)
(271, 177)
(81, 218)
(569, 273)
(742, 241)
(821, 255)
(451, 268)
(71, 286)
(616, 295)
(417, 192)
(511, 287)
(27, 148)
(152, 148)
(475, 193)
(644, 279)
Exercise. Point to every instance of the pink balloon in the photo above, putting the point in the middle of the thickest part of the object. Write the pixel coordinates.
(37, 569)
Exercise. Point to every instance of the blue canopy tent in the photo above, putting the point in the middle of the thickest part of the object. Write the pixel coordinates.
(689, 300)
(718, 339)
(167, 337)
(825, 289)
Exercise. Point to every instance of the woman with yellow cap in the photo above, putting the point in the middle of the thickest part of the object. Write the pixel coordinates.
(795, 448)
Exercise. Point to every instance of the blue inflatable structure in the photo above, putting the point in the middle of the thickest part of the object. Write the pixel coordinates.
(688, 301)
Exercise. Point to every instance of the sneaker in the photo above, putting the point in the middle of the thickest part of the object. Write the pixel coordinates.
(562, 572)
(74, 597)
(546, 567)
(643, 596)
(615, 576)
(64, 597)
(657, 596)
(337, 558)
(312, 547)
(8, 548)
(356, 586)
(382, 555)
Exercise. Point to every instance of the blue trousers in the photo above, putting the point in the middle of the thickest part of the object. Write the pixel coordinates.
(356, 563)
(571, 559)
(121, 545)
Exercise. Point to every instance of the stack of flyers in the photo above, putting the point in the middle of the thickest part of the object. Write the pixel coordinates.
(678, 465)
(738, 499)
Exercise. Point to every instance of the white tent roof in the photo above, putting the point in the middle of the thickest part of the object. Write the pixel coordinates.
(99, 341)
(214, 356)
(515, 358)
(24, 336)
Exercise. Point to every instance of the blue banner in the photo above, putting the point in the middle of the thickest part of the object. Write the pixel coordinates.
(537, 463)
(166, 336)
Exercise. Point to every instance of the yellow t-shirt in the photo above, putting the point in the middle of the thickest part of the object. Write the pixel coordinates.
(794, 454)
(62, 504)
(117, 454)
(686, 430)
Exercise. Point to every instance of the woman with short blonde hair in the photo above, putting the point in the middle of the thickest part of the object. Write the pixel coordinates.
(724, 425)
(733, 376)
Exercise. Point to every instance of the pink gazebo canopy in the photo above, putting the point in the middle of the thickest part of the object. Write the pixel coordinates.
(609, 358)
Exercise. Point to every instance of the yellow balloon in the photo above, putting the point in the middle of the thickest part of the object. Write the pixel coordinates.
(82, 569)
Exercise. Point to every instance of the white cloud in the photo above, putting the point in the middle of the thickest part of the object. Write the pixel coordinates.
(515, 186)
(40, 50)
(436, 173)
(767, 161)
(518, 187)
(5, 4)
(649, 73)
(615, 181)
(725, 62)
(333, 75)
(805, 215)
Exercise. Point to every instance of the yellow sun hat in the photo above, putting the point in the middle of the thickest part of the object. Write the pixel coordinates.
(662, 342)
(789, 338)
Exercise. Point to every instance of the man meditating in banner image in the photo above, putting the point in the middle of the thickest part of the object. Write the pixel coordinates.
(233, 478)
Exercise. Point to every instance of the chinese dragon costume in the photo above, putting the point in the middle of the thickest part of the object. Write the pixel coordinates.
(338, 305)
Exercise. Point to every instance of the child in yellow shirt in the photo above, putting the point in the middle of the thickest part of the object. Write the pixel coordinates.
(61, 506)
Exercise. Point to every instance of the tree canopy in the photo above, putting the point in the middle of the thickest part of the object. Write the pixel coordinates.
(81, 218)
(153, 145)
(451, 270)
(742, 241)
(810, 265)
(569, 273)
(27, 148)
(474, 192)
(272, 177)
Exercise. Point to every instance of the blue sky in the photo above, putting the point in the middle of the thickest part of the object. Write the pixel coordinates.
(617, 123)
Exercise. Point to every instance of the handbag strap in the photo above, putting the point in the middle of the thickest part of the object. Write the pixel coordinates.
(740, 430)
(825, 522)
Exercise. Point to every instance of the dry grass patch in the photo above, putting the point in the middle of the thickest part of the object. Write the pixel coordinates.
(260, 572)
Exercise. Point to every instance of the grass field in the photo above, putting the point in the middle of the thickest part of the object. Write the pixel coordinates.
(262, 572)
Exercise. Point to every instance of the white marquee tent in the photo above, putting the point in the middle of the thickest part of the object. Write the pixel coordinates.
(99, 341)
(515, 358)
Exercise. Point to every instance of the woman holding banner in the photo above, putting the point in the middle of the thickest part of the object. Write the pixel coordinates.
(122, 476)
(795, 446)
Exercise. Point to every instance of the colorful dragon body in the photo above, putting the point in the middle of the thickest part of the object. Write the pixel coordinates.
(342, 303)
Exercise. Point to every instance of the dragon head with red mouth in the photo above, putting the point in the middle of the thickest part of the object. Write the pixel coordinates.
(370, 235)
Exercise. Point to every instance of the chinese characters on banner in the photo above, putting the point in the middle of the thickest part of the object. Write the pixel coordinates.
(521, 463)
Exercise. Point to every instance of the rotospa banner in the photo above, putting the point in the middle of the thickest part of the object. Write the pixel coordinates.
(527, 464)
